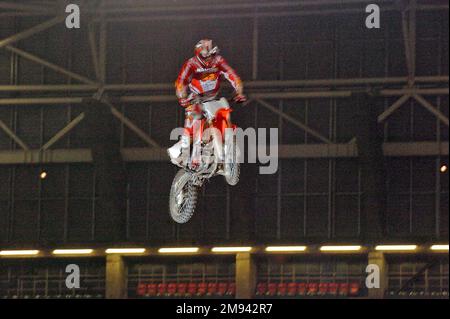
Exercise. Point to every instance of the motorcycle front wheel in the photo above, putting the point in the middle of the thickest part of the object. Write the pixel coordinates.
(183, 197)
(232, 168)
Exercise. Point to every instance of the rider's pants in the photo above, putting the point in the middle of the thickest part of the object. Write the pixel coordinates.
(193, 129)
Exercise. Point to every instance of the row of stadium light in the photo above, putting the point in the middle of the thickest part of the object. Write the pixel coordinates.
(193, 250)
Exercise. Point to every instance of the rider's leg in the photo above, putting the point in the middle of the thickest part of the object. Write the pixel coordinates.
(193, 129)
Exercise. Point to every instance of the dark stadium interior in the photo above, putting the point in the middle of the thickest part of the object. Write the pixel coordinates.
(384, 184)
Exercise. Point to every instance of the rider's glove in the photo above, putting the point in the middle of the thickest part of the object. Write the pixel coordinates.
(240, 98)
(184, 102)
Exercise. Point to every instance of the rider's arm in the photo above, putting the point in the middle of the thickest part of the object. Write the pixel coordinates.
(231, 76)
(182, 81)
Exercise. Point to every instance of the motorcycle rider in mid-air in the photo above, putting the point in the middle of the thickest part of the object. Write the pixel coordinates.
(200, 78)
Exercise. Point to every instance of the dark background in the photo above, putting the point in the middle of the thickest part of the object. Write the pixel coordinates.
(307, 200)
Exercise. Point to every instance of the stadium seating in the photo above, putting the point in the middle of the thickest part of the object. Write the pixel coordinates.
(323, 289)
(162, 288)
(343, 289)
(292, 289)
(282, 289)
(271, 289)
(354, 289)
(171, 289)
(312, 288)
(181, 289)
(222, 288)
(301, 289)
(212, 288)
(231, 291)
(333, 289)
(152, 290)
(192, 289)
(263, 289)
(141, 289)
(202, 289)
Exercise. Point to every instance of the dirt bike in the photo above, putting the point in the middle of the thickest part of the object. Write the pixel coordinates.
(219, 156)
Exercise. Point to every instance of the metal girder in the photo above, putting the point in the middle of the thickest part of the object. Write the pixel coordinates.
(431, 108)
(148, 7)
(125, 14)
(49, 65)
(415, 149)
(412, 38)
(102, 52)
(133, 127)
(63, 131)
(94, 52)
(391, 109)
(12, 135)
(406, 44)
(285, 152)
(414, 90)
(416, 276)
(363, 82)
(255, 49)
(123, 7)
(29, 32)
(23, 7)
(294, 121)
(23, 14)
(127, 122)
(409, 38)
(256, 95)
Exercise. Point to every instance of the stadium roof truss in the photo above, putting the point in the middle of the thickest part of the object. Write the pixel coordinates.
(102, 13)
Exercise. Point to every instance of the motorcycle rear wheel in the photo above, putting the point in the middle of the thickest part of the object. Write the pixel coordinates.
(183, 197)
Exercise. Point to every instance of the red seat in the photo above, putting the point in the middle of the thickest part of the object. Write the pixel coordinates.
(192, 288)
(343, 289)
(354, 289)
(182, 289)
(222, 288)
(141, 289)
(333, 289)
(212, 288)
(202, 288)
(292, 288)
(152, 290)
(171, 289)
(301, 289)
(312, 288)
(282, 289)
(271, 289)
(323, 288)
(231, 291)
(261, 289)
(162, 289)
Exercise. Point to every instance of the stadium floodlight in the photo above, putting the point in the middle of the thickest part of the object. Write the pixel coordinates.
(439, 247)
(178, 250)
(396, 247)
(285, 248)
(125, 250)
(345, 248)
(19, 252)
(231, 249)
(72, 251)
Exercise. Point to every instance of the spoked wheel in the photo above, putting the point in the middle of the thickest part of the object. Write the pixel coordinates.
(183, 197)
(232, 167)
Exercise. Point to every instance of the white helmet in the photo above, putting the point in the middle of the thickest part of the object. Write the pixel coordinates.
(204, 49)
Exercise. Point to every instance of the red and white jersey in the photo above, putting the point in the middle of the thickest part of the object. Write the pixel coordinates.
(204, 78)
